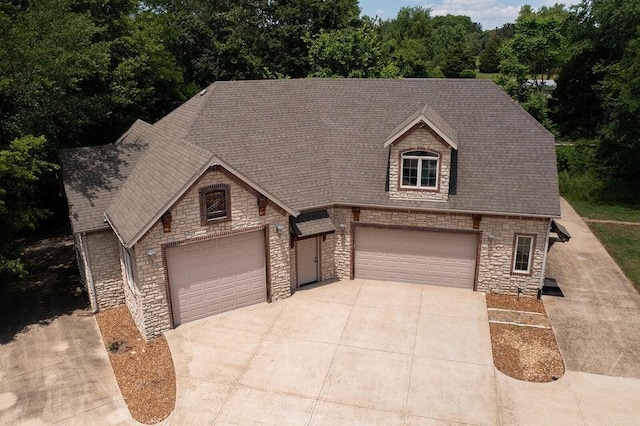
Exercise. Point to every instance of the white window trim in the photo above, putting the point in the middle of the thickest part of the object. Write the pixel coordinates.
(515, 255)
(419, 185)
(128, 267)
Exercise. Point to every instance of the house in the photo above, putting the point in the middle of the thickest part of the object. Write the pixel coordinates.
(251, 189)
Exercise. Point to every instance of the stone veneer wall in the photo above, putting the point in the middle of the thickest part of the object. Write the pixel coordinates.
(496, 257)
(102, 255)
(150, 274)
(327, 256)
(420, 138)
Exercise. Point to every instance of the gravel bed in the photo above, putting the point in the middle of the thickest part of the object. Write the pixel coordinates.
(144, 370)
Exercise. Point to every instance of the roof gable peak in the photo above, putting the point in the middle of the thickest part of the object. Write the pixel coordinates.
(430, 117)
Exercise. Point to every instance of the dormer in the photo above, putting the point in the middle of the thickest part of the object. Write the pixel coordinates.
(421, 150)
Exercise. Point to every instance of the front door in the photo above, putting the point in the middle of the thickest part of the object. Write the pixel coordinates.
(307, 261)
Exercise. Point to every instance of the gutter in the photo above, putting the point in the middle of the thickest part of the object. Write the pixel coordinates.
(544, 260)
(423, 209)
(87, 269)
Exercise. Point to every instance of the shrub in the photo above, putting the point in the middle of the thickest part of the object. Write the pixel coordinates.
(468, 73)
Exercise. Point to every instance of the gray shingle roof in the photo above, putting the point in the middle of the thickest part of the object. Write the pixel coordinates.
(312, 223)
(318, 142)
(94, 175)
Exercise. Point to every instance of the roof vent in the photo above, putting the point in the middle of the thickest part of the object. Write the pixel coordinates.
(202, 92)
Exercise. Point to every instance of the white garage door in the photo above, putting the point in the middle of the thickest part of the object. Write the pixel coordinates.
(436, 258)
(216, 276)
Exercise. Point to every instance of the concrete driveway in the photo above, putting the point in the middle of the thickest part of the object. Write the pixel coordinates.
(59, 373)
(348, 352)
(597, 323)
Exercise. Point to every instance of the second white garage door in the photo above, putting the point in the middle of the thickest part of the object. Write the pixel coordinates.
(215, 276)
(436, 258)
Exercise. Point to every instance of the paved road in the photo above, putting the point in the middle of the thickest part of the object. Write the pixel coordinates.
(597, 323)
(59, 373)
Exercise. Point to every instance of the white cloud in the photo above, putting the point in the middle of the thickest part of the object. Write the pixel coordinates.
(381, 13)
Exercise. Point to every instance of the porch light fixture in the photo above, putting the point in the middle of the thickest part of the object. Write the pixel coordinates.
(151, 252)
(491, 236)
(342, 227)
(279, 228)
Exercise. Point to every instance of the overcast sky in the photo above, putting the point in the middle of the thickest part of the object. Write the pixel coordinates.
(489, 13)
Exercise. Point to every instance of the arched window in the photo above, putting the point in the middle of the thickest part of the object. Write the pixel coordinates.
(420, 170)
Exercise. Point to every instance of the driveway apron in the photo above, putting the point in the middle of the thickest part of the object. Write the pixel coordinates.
(348, 352)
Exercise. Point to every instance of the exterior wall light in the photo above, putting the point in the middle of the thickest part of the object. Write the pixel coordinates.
(151, 252)
(491, 236)
(279, 228)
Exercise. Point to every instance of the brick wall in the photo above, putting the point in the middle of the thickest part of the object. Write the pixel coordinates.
(151, 298)
(420, 138)
(496, 256)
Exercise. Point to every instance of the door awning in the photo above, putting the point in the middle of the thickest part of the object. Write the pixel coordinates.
(560, 231)
(312, 223)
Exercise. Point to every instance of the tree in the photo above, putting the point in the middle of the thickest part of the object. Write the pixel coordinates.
(22, 164)
(489, 60)
(459, 59)
(350, 52)
(600, 87)
(539, 41)
(49, 56)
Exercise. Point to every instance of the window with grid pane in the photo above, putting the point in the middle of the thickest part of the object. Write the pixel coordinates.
(522, 255)
(419, 170)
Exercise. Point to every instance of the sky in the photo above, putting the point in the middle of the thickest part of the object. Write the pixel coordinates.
(489, 13)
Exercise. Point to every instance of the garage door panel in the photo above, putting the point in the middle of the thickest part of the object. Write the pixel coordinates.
(438, 258)
(218, 275)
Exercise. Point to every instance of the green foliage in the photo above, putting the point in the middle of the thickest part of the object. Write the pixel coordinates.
(459, 58)
(350, 52)
(22, 164)
(468, 73)
(539, 40)
(489, 60)
(49, 55)
(601, 86)
(423, 46)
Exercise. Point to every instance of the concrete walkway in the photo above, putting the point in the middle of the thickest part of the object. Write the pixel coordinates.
(597, 323)
(349, 352)
(59, 374)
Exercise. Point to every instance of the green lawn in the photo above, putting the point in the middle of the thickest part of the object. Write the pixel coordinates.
(591, 210)
(623, 244)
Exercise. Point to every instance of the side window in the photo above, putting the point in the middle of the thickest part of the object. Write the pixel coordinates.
(128, 266)
(214, 203)
(522, 255)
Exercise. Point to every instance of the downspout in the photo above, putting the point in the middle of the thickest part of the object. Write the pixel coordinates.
(544, 259)
(88, 274)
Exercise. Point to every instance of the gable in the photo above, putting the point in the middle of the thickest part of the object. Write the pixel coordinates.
(429, 117)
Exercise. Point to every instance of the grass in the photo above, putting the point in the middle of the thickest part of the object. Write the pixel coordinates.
(603, 211)
(623, 244)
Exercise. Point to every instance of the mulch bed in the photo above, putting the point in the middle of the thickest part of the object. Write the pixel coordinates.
(144, 370)
(513, 303)
(521, 352)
